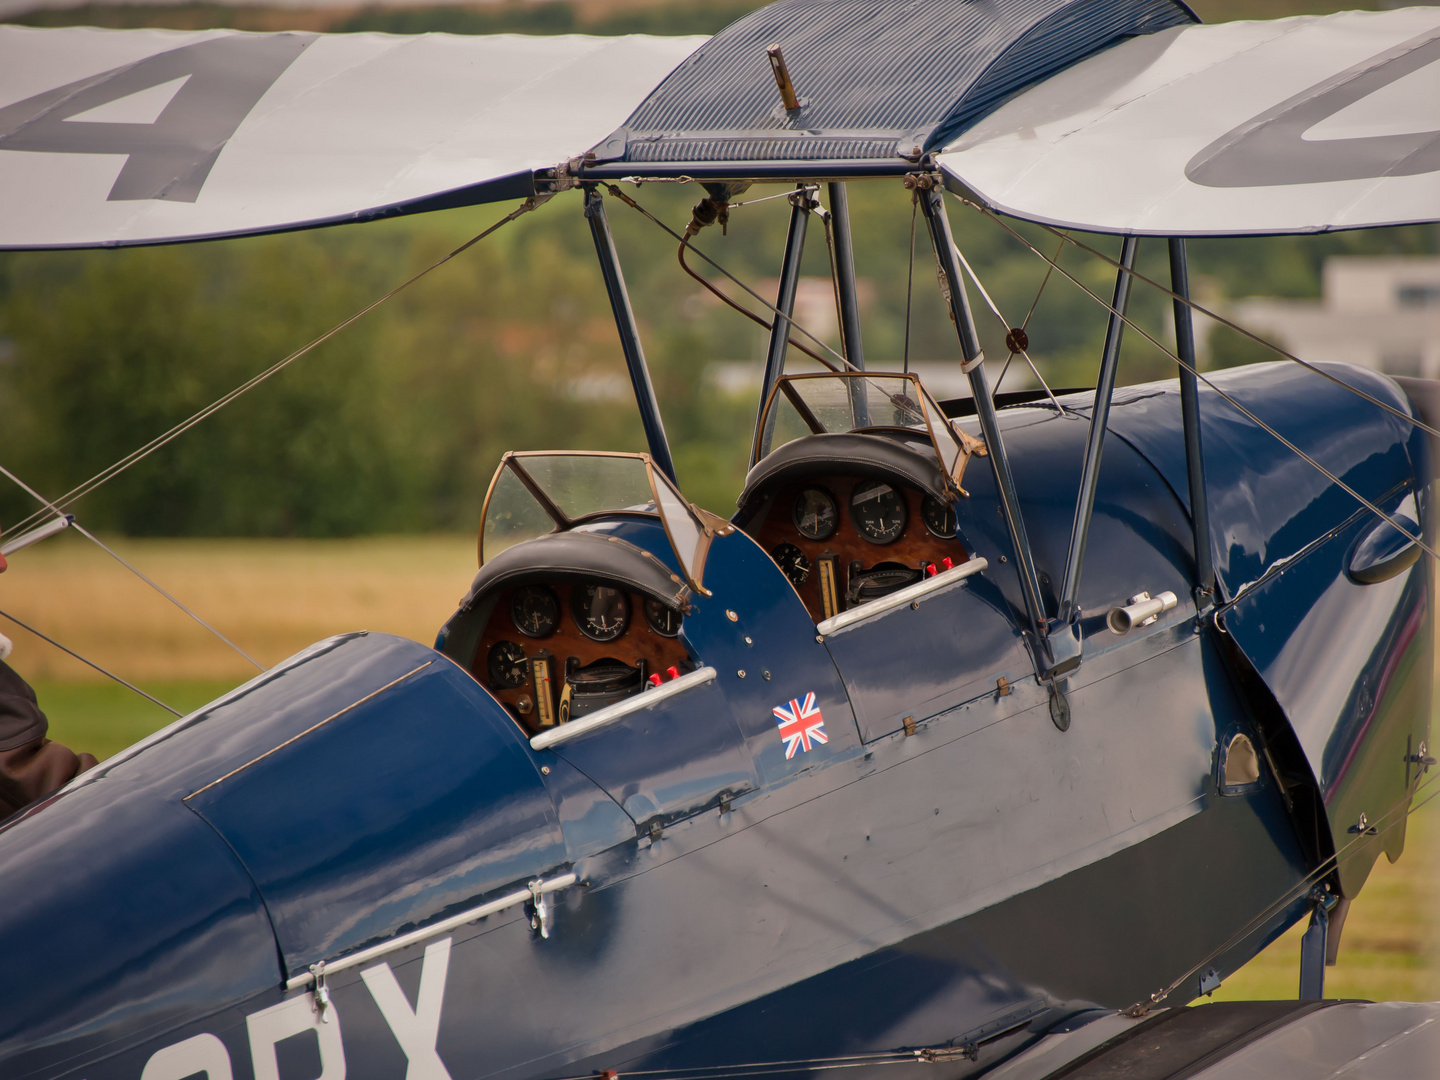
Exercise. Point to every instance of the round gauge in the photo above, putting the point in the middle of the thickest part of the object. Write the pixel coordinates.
(506, 664)
(793, 563)
(879, 510)
(601, 612)
(662, 618)
(535, 611)
(939, 517)
(815, 514)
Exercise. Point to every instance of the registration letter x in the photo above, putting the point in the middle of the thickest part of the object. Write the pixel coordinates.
(415, 1030)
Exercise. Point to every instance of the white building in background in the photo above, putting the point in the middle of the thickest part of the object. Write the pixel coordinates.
(1378, 312)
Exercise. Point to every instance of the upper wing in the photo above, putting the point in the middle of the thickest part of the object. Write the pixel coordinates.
(1297, 125)
(114, 137)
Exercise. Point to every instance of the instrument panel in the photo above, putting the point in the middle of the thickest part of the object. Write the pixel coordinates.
(555, 652)
(844, 540)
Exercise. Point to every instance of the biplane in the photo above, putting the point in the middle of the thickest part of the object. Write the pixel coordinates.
(986, 734)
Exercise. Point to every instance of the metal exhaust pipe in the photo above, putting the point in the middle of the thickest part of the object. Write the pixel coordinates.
(1142, 609)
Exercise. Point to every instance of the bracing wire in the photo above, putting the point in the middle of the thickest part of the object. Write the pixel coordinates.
(1295, 891)
(135, 456)
(90, 663)
(128, 566)
(910, 277)
(628, 201)
(154, 585)
(924, 1056)
(1229, 398)
(1014, 350)
(710, 285)
(1067, 238)
(828, 220)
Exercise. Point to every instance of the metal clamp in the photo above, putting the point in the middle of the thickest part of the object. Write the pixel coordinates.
(539, 912)
(322, 991)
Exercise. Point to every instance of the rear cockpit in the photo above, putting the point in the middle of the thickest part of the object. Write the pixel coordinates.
(853, 486)
(587, 565)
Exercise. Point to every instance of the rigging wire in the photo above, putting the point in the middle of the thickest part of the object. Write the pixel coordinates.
(1066, 238)
(91, 663)
(828, 220)
(628, 201)
(1392, 521)
(128, 566)
(707, 283)
(1294, 892)
(154, 585)
(136, 456)
(910, 277)
(923, 1056)
(1012, 341)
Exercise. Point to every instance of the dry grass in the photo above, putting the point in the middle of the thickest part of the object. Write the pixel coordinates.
(271, 597)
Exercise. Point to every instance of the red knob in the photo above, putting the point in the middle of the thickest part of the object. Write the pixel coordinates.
(655, 679)
(948, 564)
(672, 672)
(930, 570)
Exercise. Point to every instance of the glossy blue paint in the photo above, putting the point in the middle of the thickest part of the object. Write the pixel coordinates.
(123, 918)
(1347, 662)
(348, 836)
(1267, 504)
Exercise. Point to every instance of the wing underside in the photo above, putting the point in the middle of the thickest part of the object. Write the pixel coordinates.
(147, 136)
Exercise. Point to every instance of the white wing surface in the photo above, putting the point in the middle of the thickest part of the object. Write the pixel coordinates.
(1292, 126)
(116, 137)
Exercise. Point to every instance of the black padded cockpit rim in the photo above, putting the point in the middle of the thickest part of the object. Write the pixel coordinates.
(841, 453)
(579, 556)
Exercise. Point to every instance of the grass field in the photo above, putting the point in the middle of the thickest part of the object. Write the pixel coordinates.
(275, 597)
(271, 597)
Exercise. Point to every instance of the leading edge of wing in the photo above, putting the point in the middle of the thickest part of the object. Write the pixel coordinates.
(1301, 125)
(114, 138)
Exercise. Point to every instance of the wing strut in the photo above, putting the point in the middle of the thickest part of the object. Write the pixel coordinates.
(801, 203)
(932, 197)
(629, 332)
(1068, 616)
(1190, 414)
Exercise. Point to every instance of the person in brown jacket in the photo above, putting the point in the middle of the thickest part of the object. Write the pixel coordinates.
(31, 765)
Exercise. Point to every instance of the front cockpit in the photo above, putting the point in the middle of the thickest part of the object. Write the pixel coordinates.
(853, 485)
(587, 565)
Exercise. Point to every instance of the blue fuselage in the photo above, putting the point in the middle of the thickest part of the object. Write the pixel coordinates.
(946, 868)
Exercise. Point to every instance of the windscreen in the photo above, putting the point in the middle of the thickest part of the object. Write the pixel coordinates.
(512, 514)
(847, 401)
(583, 484)
(540, 492)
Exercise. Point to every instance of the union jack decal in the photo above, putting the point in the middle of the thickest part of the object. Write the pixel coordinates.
(801, 725)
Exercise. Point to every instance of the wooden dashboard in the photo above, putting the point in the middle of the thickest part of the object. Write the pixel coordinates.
(915, 547)
(541, 661)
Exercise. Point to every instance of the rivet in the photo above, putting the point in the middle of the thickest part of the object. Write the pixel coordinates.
(765, 675)
(748, 641)
(914, 605)
(545, 770)
(732, 616)
(820, 638)
(1003, 559)
(741, 673)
